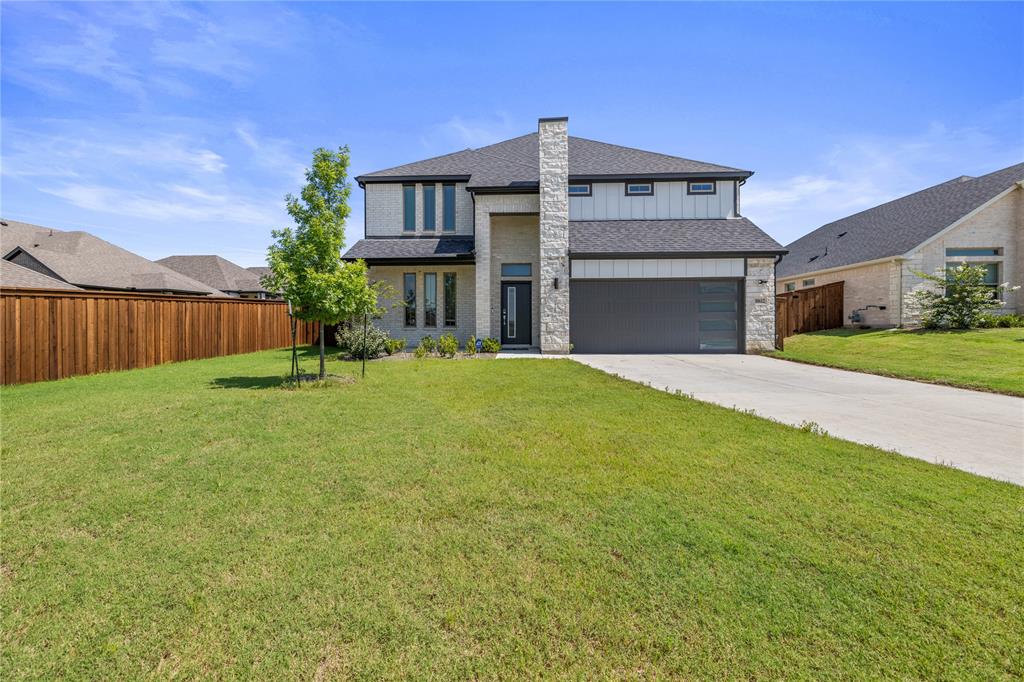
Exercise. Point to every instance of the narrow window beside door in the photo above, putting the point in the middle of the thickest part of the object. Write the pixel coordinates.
(409, 284)
(408, 208)
(510, 307)
(430, 299)
(449, 299)
(429, 207)
(448, 207)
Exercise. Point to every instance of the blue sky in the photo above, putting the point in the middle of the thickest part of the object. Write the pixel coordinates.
(170, 128)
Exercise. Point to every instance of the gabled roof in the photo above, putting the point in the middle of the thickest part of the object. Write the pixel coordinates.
(709, 237)
(14, 276)
(515, 164)
(90, 262)
(216, 272)
(408, 249)
(896, 227)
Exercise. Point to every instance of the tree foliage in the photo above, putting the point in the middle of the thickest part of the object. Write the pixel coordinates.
(958, 299)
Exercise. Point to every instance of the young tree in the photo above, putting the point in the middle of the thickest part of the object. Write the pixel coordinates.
(958, 298)
(305, 263)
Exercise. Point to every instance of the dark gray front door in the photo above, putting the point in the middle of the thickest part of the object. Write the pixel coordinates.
(656, 316)
(515, 313)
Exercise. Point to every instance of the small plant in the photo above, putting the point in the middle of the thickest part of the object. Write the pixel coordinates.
(428, 343)
(958, 298)
(491, 345)
(351, 339)
(420, 352)
(395, 346)
(471, 345)
(1003, 321)
(447, 345)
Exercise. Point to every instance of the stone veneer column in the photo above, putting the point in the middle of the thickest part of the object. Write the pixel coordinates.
(760, 305)
(553, 139)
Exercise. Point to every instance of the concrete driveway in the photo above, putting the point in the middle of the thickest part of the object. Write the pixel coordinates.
(978, 432)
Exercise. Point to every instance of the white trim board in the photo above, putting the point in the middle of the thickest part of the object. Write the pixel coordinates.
(656, 268)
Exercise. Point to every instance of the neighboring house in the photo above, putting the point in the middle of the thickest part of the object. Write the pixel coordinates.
(219, 273)
(88, 262)
(564, 243)
(875, 253)
(13, 276)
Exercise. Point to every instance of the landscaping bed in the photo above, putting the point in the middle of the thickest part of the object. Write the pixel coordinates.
(980, 359)
(441, 520)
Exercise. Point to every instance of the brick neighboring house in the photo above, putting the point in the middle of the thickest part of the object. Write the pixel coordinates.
(875, 253)
(219, 273)
(562, 243)
(88, 262)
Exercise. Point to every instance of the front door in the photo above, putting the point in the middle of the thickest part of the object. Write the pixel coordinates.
(515, 313)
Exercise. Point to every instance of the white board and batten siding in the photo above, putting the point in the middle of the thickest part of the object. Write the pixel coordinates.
(656, 268)
(608, 201)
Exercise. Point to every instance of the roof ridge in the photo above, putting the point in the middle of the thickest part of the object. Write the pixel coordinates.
(648, 151)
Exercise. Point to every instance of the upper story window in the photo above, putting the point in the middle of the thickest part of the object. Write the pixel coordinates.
(790, 286)
(808, 283)
(700, 187)
(579, 189)
(408, 208)
(448, 206)
(634, 189)
(951, 253)
(429, 208)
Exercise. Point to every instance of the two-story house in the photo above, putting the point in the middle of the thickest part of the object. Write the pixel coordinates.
(563, 243)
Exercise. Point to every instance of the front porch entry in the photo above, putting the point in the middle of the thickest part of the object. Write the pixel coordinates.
(516, 313)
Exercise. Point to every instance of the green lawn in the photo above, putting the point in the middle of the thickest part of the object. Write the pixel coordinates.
(986, 359)
(480, 518)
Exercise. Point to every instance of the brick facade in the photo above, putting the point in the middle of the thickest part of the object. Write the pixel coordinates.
(393, 321)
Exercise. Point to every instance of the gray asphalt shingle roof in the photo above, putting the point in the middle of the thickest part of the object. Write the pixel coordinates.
(90, 262)
(731, 235)
(412, 248)
(14, 276)
(515, 163)
(216, 272)
(896, 227)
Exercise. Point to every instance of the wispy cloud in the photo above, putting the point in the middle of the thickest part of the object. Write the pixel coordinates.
(862, 171)
(475, 132)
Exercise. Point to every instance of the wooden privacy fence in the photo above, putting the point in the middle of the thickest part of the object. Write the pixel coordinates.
(52, 333)
(808, 310)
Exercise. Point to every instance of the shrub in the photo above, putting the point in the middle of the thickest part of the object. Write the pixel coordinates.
(447, 345)
(471, 345)
(395, 346)
(420, 352)
(428, 344)
(491, 345)
(351, 339)
(1004, 321)
(957, 298)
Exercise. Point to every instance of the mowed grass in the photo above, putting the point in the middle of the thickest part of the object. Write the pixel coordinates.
(480, 518)
(985, 359)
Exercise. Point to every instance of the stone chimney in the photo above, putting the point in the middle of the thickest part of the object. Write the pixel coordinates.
(553, 139)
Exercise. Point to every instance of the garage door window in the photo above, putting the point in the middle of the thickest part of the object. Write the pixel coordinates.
(718, 306)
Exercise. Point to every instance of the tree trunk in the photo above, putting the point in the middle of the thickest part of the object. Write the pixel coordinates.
(323, 369)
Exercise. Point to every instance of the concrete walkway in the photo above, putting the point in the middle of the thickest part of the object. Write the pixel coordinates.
(978, 432)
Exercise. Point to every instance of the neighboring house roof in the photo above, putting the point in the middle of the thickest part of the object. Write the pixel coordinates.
(260, 271)
(513, 164)
(14, 276)
(412, 249)
(710, 236)
(897, 227)
(216, 272)
(90, 262)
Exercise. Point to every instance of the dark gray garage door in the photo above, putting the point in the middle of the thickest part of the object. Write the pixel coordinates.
(656, 316)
